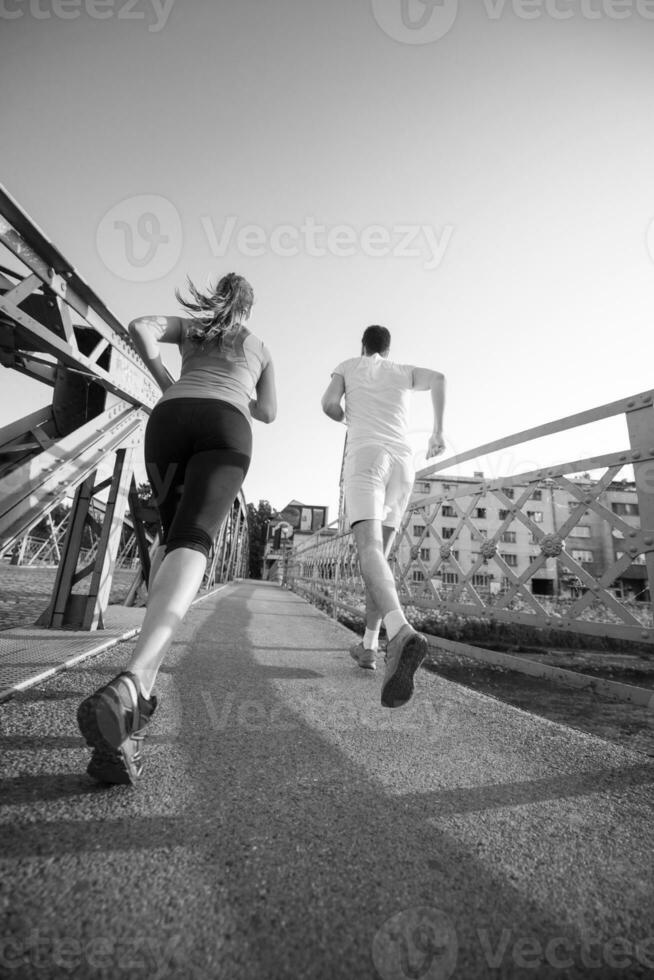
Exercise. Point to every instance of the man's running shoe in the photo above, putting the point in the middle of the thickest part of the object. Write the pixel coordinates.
(404, 654)
(113, 722)
(364, 658)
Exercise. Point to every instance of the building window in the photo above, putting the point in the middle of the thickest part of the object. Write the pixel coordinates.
(506, 582)
(418, 530)
(624, 509)
(447, 532)
(583, 557)
(450, 578)
(448, 511)
(455, 555)
(537, 495)
(511, 560)
(534, 539)
(635, 560)
(532, 559)
(480, 513)
(424, 554)
(417, 576)
(509, 537)
(509, 492)
(423, 486)
(446, 487)
(504, 514)
(581, 531)
(536, 516)
(480, 579)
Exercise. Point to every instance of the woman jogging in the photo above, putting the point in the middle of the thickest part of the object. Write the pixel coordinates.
(198, 444)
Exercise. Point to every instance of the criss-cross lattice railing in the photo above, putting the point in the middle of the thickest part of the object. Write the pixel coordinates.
(463, 541)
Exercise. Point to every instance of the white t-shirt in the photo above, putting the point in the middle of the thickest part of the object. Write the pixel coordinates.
(376, 401)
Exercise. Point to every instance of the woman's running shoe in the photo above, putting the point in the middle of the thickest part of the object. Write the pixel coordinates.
(113, 722)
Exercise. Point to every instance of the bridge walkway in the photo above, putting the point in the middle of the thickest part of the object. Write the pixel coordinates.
(289, 827)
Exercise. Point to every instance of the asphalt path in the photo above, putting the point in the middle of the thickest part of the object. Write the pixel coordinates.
(288, 826)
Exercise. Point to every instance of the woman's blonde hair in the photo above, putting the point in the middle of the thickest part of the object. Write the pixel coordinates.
(218, 310)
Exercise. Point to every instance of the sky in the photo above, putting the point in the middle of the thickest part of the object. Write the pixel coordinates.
(477, 177)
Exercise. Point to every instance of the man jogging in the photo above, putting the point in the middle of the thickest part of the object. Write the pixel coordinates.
(377, 480)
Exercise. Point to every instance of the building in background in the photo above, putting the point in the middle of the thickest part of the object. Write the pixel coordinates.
(295, 521)
(454, 534)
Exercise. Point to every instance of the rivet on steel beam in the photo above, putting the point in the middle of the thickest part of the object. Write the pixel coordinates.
(630, 404)
(635, 455)
(588, 500)
(550, 472)
(633, 551)
(647, 399)
(622, 459)
(540, 473)
(645, 635)
(651, 452)
(649, 540)
(632, 534)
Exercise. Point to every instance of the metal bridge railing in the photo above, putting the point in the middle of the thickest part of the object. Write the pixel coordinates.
(483, 549)
(55, 329)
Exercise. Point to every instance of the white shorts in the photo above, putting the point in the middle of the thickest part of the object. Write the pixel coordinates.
(377, 483)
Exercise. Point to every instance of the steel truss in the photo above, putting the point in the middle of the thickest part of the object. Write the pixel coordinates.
(54, 329)
(326, 570)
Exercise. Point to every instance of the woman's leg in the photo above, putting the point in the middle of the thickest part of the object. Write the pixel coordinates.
(210, 488)
(177, 581)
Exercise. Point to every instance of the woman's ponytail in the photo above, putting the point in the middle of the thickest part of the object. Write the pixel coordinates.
(217, 311)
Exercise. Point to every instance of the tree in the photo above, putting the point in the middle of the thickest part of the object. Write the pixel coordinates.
(258, 520)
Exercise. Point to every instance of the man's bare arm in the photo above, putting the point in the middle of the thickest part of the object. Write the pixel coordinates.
(426, 380)
(331, 400)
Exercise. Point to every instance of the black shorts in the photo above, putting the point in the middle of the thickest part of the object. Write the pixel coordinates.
(197, 452)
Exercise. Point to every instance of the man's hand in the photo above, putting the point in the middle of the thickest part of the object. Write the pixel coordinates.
(436, 445)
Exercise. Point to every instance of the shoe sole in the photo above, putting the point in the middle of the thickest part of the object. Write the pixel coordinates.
(399, 688)
(370, 666)
(101, 729)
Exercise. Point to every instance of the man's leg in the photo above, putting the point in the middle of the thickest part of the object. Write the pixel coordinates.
(381, 594)
(373, 615)
(406, 648)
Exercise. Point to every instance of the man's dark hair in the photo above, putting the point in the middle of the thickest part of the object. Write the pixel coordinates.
(376, 340)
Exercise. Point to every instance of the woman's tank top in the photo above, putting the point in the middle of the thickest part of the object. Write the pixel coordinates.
(227, 371)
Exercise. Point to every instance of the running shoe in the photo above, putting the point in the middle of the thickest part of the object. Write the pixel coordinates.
(365, 658)
(404, 654)
(113, 721)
